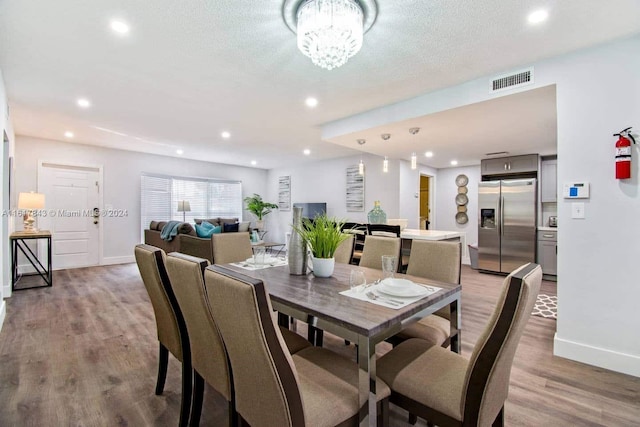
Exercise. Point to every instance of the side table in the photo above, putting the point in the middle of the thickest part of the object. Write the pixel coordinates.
(19, 241)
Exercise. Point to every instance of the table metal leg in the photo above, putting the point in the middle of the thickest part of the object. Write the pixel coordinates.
(367, 379)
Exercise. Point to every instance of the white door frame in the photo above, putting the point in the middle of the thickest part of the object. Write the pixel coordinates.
(82, 166)
(432, 198)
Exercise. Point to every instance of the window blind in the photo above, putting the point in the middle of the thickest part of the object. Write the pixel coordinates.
(209, 198)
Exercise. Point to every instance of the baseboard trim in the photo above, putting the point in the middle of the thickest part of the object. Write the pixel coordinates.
(619, 362)
(118, 260)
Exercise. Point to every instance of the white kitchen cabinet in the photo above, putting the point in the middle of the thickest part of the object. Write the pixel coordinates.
(548, 252)
(549, 181)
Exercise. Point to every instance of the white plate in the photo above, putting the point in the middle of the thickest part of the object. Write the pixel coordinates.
(401, 288)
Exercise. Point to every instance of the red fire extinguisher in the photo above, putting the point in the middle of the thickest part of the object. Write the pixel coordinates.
(623, 153)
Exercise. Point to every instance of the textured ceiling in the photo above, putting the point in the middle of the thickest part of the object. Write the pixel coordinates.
(189, 70)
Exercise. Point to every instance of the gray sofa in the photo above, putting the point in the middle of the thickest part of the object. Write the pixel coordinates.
(187, 240)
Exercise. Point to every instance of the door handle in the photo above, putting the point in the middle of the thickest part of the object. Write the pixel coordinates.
(501, 216)
(96, 215)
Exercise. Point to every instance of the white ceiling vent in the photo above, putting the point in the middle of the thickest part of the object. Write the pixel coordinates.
(512, 80)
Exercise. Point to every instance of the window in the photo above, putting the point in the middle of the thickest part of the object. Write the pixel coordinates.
(209, 198)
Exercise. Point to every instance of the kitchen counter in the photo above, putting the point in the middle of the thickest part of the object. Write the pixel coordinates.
(547, 228)
(414, 234)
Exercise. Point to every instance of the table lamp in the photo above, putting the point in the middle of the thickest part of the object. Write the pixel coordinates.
(184, 206)
(30, 202)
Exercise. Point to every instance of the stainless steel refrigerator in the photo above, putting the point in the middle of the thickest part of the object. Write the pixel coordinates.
(507, 224)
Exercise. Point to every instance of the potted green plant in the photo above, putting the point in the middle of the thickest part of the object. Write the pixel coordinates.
(259, 208)
(322, 236)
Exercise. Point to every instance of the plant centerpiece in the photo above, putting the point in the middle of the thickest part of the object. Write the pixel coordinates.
(259, 208)
(322, 235)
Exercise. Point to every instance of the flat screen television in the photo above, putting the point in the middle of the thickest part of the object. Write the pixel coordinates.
(311, 210)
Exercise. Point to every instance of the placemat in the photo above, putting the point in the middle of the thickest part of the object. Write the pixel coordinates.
(385, 300)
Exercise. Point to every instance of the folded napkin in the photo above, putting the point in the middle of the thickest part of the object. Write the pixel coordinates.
(389, 301)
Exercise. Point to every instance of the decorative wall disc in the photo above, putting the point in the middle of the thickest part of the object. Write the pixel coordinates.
(462, 199)
(462, 180)
(462, 190)
(461, 218)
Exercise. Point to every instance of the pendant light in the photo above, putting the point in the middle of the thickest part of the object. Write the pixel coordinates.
(385, 165)
(414, 158)
(361, 164)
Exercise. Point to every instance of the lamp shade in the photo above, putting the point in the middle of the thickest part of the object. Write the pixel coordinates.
(30, 200)
(184, 206)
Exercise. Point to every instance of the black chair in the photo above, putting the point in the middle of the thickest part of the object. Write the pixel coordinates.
(359, 231)
(383, 230)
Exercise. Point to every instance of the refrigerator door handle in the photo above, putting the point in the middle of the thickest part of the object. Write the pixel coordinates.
(501, 215)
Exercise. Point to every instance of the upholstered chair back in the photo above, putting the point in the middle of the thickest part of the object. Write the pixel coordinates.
(375, 247)
(435, 260)
(344, 252)
(487, 378)
(208, 357)
(151, 263)
(231, 247)
(261, 364)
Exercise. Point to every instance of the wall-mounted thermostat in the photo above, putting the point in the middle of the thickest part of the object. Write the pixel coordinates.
(576, 190)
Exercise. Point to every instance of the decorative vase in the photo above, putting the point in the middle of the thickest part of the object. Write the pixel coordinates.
(297, 251)
(323, 267)
(377, 215)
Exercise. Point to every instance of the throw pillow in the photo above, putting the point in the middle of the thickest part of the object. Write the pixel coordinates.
(229, 228)
(205, 231)
(244, 226)
(206, 225)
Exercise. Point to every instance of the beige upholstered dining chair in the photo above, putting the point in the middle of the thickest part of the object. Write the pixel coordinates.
(231, 247)
(208, 356)
(440, 261)
(313, 387)
(375, 247)
(344, 252)
(448, 390)
(170, 323)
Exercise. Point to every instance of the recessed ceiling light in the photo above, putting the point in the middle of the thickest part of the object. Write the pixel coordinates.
(311, 102)
(253, 162)
(538, 16)
(179, 151)
(428, 154)
(68, 134)
(83, 103)
(120, 27)
(225, 135)
(454, 163)
(307, 152)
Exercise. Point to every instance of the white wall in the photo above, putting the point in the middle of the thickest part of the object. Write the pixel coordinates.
(121, 186)
(598, 292)
(446, 192)
(5, 260)
(325, 181)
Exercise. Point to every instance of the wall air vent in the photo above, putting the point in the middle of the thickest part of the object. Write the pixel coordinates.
(512, 80)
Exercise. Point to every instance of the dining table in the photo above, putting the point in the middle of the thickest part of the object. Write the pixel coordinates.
(319, 302)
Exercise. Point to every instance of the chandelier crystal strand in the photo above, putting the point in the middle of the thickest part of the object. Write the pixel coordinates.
(330, 31)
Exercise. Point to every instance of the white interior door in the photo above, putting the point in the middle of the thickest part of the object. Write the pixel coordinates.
(71, 195)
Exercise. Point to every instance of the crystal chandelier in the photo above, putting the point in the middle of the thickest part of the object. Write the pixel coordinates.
(329, 31)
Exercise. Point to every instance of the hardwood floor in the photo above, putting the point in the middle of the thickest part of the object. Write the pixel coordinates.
(85, 353)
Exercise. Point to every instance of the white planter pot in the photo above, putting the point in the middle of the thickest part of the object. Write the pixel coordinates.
(323, 267)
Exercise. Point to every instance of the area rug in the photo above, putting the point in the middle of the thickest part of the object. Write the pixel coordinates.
(546, 306)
